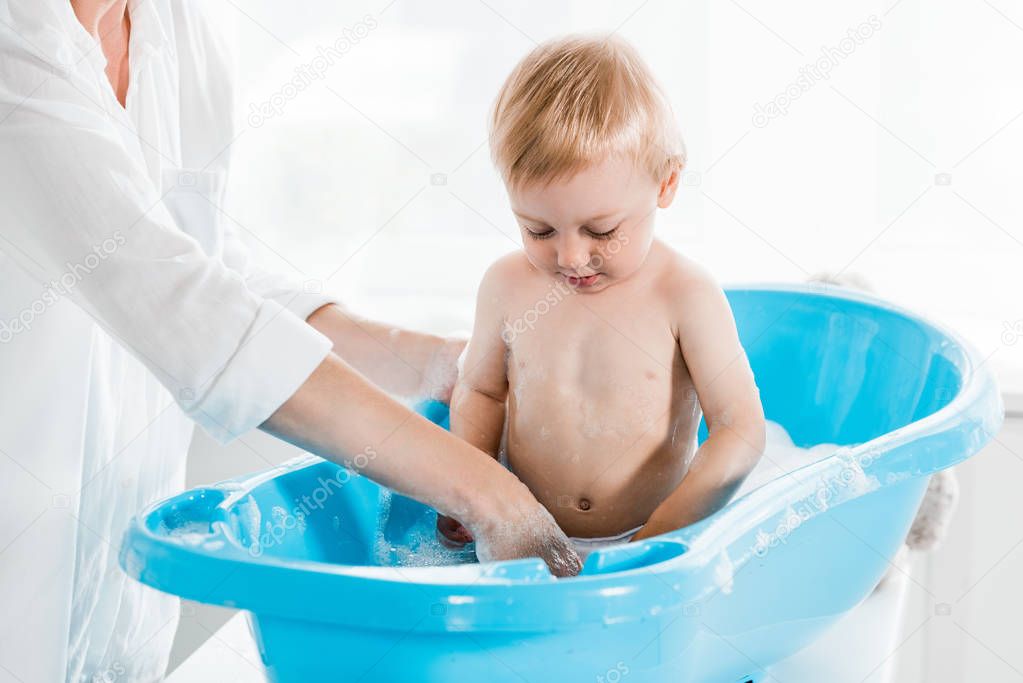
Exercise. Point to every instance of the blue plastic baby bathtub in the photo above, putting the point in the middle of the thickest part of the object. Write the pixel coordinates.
(314, 553)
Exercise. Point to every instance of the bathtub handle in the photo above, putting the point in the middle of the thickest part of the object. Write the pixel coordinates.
(637, 555)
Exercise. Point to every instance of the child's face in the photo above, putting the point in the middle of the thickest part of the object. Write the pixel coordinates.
(594, 229)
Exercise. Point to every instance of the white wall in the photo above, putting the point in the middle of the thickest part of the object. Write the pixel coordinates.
(900, 165)
(966, 600)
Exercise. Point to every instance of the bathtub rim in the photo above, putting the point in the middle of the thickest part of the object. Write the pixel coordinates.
(977, 403)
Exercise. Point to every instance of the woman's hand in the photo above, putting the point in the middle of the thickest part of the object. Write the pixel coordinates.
(528, 531)
(441, 372)
(339, 415)
(529, 534)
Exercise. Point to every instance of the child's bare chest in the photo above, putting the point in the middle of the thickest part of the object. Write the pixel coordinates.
(597, 347)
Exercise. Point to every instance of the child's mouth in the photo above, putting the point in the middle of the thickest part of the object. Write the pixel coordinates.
(576, 281)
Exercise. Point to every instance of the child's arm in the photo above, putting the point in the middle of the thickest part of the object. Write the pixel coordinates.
(731, 405)
(478, 400)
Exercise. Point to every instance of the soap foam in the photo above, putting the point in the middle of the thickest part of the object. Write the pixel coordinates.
(782, 456)
(420, 547)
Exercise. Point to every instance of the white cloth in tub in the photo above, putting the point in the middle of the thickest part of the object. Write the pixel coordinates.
(585, 546)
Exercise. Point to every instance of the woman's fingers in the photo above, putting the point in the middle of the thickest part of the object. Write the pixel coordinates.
(535, 534)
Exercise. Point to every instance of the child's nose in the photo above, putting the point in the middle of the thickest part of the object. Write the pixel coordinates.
(573, 256)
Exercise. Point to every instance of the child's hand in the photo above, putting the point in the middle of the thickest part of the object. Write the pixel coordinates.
(451, 532)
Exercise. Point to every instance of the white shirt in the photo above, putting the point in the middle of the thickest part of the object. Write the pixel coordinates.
(128, 310)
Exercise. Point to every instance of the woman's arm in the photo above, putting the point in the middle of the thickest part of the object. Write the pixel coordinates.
(402, 362)
(79, 204)
(338, 414)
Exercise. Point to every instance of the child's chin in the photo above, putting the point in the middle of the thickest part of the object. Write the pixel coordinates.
(594, 288)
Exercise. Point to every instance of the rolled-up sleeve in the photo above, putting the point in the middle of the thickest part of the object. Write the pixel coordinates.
(82, 216)
(301, 298)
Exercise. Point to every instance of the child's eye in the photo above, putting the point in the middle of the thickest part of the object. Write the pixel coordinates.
(603, 235)
(549, 232)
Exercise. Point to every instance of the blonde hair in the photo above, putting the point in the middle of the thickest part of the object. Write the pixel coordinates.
(575, 101)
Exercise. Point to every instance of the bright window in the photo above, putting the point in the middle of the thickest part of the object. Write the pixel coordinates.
(890, 151)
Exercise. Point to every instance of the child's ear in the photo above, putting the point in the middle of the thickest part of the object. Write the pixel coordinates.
(668, 188)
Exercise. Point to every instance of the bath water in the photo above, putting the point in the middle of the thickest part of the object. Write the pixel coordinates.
(406, 535)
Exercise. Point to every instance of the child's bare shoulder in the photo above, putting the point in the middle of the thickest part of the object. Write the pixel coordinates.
(511, 265)
(681, 277)
(689, 289)
(509, 278)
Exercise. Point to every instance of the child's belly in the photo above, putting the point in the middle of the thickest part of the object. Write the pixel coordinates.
(601, 446)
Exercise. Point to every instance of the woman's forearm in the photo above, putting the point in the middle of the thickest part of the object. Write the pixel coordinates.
(339, 415)
(402, 362)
